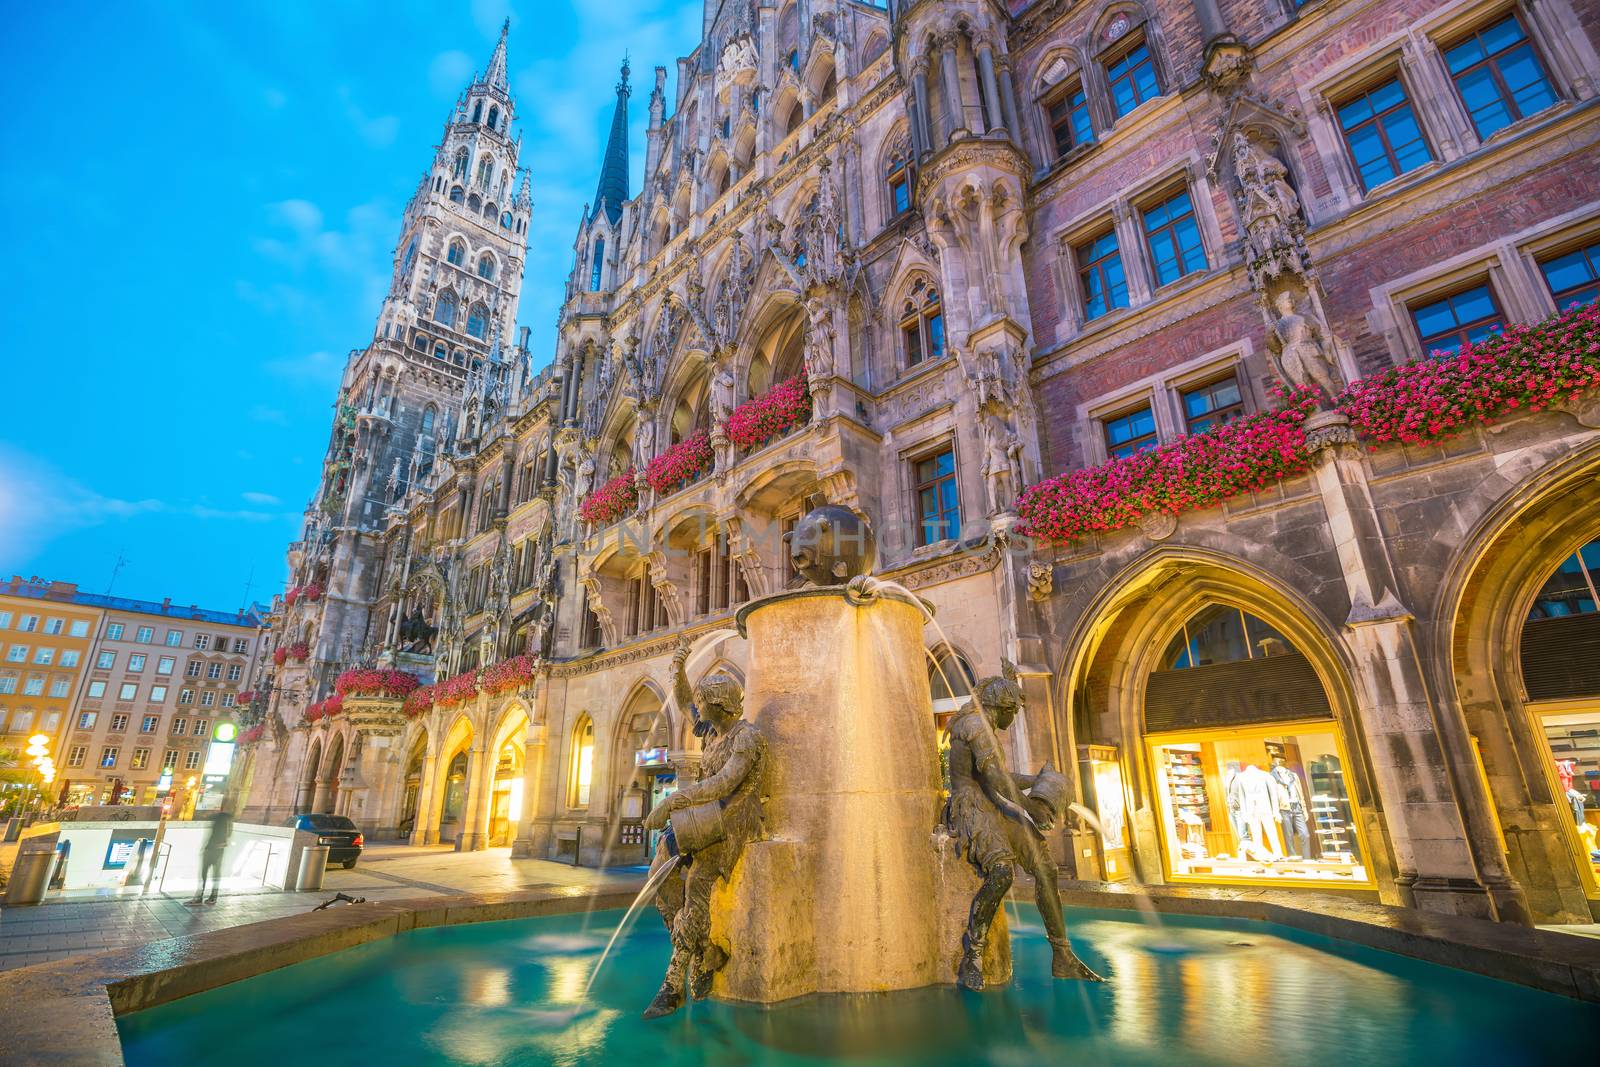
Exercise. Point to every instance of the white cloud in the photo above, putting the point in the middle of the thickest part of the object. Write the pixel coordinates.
(262, 499)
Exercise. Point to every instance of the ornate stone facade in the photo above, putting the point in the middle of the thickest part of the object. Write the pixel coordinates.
(1000, 242)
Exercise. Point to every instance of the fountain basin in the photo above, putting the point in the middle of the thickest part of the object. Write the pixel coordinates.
(507, 993)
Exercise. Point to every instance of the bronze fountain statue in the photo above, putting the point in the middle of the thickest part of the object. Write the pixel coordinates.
(998, 829)
(708, 824)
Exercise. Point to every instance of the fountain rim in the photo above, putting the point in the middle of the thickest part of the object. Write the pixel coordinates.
(843, 592)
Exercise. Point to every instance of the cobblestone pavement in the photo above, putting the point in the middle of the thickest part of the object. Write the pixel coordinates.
(71, 925)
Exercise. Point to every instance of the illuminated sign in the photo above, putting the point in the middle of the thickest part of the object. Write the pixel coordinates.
(650, 757)
(225, 731)
(219, 757)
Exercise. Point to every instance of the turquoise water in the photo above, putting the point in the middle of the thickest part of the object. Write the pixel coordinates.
(1198, 992)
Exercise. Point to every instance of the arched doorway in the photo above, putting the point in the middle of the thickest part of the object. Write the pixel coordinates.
(1216, 734)
(411, 785)
(455, 764)
(307, 793)
(1519, 635)
(328, 781)
(506, 788)
(641, 772)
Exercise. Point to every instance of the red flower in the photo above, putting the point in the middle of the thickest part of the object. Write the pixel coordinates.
(509, 674)
(773, 414)
(299, 651)
(611, 501)
(458, 690)
(680, 464)
(396, 684)
(312, 592)
(280, 656)
(419, 702)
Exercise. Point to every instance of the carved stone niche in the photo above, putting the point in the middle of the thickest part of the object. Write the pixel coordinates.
(376, 716)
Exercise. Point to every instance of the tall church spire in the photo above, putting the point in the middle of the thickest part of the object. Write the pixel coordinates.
(613, 189)
(496, 74)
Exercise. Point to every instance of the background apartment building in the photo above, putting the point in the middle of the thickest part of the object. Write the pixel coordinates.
(45, 638)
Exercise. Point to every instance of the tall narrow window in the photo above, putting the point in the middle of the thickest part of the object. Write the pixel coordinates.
(485, 172)
(1498, 75)
(582, 762)
(1382, 133)
(1573, 277)
(457, 253)
(1130, 433)
(938, 504)
(1446, 324)
(486, 266)
(494, 118)
(460, 171)
(1067, 110)
(1131, 76)
(597, 261)
(1173, 235)
(444, 311)
(922, 324)
(899, 183)
(478, 321)
(1100, 274)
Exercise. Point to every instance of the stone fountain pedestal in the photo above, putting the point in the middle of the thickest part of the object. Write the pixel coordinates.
(851, 891)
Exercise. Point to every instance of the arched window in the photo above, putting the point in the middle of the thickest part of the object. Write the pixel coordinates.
(797, 115)
(922, 324)
(477, 111)
(486, 266)
(494, 118)
(505, 220)
(899, 179)
(581, 775)
(429, 415)
(596, 263)
(440, 351)
(1571, 589)
(457, 194)
(444, 311)
(950, 680)
(478, 321)
(457, 254)
(474, 203)
(411, 253)
(485, 172)
(1222, 634)
(460, 172)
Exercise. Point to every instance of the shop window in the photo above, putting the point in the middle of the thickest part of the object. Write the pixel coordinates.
(1212, 404)
(1573, 277)
(1222, 634)
(1067, 112)
(1498, 75)
(1561, 635)
(1173, 234)
(1467, 315)
(1382, 133)
(1130, 433)
(1131, 76)
(1268, 805)
(1571, 589)
(582, 763)
(938, 504)
(1100, 274)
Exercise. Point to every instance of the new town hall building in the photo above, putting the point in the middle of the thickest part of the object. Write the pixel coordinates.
(963, 266)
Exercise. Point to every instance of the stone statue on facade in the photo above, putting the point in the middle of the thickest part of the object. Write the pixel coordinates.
(416, 633)
(1300, 351)
(1002, 460)
(707, 824)
(583, 480)
(1270, 210)
(998, 829)
(723, 392)
(644, 440)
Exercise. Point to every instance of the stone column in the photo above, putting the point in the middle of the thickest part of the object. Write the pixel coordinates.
(1436, 807)
(426, 829)
(476, 803)
(533, 760)
(994, 117)
(921, 142)
(954, 107)
(1008, 100)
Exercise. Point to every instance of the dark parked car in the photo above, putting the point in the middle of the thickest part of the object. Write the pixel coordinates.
(344, 841)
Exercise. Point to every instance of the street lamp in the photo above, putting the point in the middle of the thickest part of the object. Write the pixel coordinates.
(39, 749)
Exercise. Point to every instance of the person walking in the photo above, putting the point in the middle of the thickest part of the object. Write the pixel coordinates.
(211, 857)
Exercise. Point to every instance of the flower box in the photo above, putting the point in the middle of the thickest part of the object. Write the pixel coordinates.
(311, 593)
(770, 415)
(420, 702)
(611, 501)
(373, 683)
(681, 464)
(1525, 368)
(509, 674)
(299, 651)
(280, 656)
(458, 690)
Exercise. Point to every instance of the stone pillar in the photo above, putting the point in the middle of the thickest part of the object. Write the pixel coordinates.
(476, 803)
(1008, 100)
(322, 797)
(426, 830)
(532, 775)
(920, 134)
(954, 108)
(994, 117)
(1436, 807)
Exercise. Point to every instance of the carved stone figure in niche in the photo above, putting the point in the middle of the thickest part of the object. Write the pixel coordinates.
(644, 440)
(997, 829)
(819, 340)
(708, 824)
(1270, 211)
(632, 377)
(584, 479)
(416, 633)
(1041, 580)
(1300, 350)
(723, 387)
(1002, 461)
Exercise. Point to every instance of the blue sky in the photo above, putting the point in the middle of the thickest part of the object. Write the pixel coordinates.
(202, 202)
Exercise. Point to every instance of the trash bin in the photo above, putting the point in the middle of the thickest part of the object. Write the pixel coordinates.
(13, 830)
(313, 865)
(30, 873)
